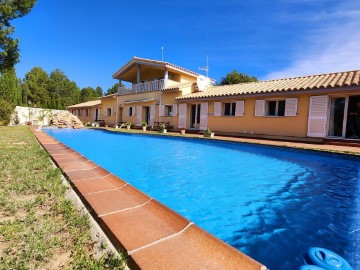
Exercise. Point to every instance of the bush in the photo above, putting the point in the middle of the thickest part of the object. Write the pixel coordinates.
(6, 110)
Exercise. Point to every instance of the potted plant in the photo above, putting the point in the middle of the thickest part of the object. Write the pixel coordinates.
(16, 119)
(144, 125)
(162, 128)
(182, 131)
(208, 133)
(128, 125)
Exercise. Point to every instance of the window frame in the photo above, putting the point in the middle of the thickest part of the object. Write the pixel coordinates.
(108, 110)
(232, 110)
(277, 101)
(168, 110)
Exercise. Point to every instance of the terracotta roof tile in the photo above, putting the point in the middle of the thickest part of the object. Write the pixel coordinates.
(85, 104)
(331, 80)
(150, 61)
(178, 86)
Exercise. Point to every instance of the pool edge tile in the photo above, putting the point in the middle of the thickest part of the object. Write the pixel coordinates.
(175, 231)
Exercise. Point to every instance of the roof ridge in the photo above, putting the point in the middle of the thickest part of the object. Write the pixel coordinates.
(288, 78)
(166, 63)
(314, 75)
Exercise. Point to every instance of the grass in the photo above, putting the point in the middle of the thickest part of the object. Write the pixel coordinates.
(39, 228)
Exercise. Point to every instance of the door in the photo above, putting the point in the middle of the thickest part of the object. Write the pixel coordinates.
(120, 114)
(147, 115)
(182, 115)
(195, 112)
(353, 118)
(317, 116)
(336, 118)
(204, 116)
(96, 114)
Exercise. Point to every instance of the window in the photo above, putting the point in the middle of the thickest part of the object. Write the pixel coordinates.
(229, 109)
(79, 113)
(131, 111)
(87, 112)
(108, 111)
(168, 110)
(275, 107)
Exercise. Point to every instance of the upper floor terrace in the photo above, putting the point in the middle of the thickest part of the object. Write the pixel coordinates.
(147, 75)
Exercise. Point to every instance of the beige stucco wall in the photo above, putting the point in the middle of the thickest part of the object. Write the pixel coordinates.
(83, 117)
(167, 98)
(270, 125)
(108, 103)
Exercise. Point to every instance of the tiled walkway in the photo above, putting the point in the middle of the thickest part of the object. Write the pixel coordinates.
(154, 236)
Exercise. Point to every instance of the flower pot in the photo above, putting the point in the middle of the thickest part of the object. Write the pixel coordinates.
(143, 128)
(209, 135)
(128, 127)
(182, 131)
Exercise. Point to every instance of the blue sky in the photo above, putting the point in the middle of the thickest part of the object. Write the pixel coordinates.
(89, 40)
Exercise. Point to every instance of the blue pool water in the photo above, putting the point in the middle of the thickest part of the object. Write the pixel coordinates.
(271, 203)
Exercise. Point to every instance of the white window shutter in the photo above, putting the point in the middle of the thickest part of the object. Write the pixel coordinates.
(204, 115)
(259, 107)
(217, 108)
(138, 115)
(133, 111)
(152, 115)
(161, 110)
(239, 109)
(174, 110)
(127, 111)
(182, 115)
(112, 111)
(317, 116)
(291, 106)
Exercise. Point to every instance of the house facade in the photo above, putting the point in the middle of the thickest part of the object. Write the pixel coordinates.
(152, 91)
(326, 105)
(316, 106)
(87, 111)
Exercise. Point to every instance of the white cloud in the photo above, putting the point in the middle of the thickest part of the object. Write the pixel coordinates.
(332, 46)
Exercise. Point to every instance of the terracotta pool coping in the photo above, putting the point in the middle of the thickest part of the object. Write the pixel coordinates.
(154, 236)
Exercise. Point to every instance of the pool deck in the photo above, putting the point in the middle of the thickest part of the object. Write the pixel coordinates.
(323, 147)
(154, 236)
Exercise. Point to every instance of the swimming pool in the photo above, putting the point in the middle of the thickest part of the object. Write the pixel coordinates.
(271, 203)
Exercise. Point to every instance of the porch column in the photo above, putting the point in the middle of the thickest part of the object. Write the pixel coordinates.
(138, 79)
(117, 111)
(119, 87)
(166, 77)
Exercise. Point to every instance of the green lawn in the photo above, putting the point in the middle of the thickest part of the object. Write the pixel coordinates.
(39, 228)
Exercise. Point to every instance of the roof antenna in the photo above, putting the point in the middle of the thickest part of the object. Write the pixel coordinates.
(207, 66)
(162, 54)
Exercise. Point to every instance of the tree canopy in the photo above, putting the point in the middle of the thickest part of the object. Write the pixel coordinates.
(89, 93)
(9, 89)
(9, 47)
(54, 91)
(235, 77)
(113, 89)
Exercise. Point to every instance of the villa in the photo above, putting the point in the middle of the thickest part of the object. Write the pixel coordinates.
(315, 106)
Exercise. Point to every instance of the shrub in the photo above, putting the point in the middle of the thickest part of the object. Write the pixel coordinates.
(6, 110)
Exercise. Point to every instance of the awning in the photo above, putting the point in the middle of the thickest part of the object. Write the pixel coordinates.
(139, 100)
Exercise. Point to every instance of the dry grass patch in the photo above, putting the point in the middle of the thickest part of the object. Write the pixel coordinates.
(39, 228)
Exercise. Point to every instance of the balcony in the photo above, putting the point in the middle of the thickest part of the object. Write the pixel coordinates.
(142, 87)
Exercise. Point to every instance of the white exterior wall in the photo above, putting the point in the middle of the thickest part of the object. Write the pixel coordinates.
(35, 115)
